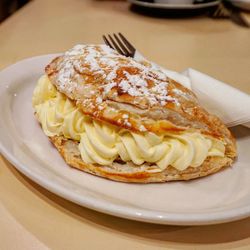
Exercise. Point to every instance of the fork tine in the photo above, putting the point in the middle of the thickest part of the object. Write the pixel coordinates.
(126, 52)
(107, 42)
(129, 45)
(115, 45)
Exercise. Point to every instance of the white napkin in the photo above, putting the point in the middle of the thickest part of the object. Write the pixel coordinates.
(229, 104)
(221, 99)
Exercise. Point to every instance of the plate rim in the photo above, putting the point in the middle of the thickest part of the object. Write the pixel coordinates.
(174, 6)
(103, 206)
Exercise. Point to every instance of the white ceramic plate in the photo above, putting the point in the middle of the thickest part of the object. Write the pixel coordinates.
(221, 197)
(174, 6)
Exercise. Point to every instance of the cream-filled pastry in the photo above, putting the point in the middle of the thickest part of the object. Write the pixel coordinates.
(120, 119)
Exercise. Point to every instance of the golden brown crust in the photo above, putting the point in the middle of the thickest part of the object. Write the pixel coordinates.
(70, 152)
(99, 81)
(129, 94)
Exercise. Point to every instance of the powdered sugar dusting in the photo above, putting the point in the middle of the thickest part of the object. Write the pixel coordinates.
(124, 74)
(142, 128)
(76, 50)
(125, 116)
(181, 93)
(127, 123)
(65, 77)
(99, 100)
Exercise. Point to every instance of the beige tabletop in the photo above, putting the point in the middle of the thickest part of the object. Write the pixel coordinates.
(32, 217)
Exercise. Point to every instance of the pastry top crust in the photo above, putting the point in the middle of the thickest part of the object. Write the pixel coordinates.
(130, 94)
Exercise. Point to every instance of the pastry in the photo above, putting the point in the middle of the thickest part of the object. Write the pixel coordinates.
(114, 117)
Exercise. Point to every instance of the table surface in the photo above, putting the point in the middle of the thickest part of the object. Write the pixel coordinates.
(32, 217)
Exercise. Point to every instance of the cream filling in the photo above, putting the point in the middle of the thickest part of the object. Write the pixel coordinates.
(102, 143)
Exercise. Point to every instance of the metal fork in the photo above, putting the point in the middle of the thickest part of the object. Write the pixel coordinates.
(119, 43)
(124, 47)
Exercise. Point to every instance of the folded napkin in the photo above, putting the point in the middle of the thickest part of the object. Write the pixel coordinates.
(229, 104)
(221, 99)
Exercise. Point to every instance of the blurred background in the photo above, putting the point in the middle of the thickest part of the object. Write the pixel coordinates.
(8, 7)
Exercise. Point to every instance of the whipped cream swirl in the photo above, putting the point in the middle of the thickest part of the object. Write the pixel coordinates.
(102, 143)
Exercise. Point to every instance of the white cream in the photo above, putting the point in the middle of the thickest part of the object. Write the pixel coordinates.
(102, 143)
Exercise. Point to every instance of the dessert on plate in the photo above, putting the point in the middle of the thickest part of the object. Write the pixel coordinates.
(114, 117)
